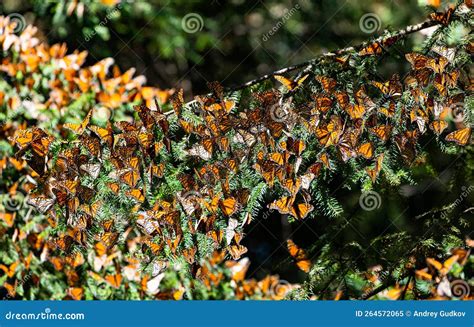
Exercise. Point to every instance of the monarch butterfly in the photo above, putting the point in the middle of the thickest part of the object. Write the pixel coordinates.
(190, 255)
(420, 117)
(35, 138)
(157, 170)
(228, 206)
(10, 270)
(79, 128)
(92, 144)
(442, 17)
(129, 176)
(438, 65)
(57, 262)
(423, 274)
(325, 160)
(372, 49)
(438, 126)
(145, 115)
(342, 59)
(75, 293)
(461, 136)
(11, 289)
(267, 98)
(213, 204)
(105, 134)
(355, 111)
(287, 205)
(293, 145)
(391, 88)
(290, 84)
(136, 194)
(126, 127)
(329, 133)
(8, 218)
(114, 187)
(216, 235)
(40, 202)
(173, 244)
(299, 255)
(366, 150)
(233, 224)
(201, 151)
(280, 158)
(28, 259)
(225, 106)
(382, 131)
(327, 83)
(445, 267)
(114, 280)
(64, 242)
(186, 126)
(74, 260)
(421, 77)
(153, 246)
(323, 103)
(145, 139)
(236, 251)
(92, 169)
(373, 172)
(275, 128)
(445, 80)
(292, 185)
(177, 100)
(389, 110)
(342, 99)
(417, 61)
(100, 249)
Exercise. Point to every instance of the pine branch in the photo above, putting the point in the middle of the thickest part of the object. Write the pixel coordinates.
(308, 65)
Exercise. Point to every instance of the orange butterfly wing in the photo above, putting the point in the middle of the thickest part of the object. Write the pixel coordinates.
(114, 280)
(461, 136)
(299, 255)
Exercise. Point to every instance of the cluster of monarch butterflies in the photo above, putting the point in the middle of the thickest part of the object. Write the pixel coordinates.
(289, 138)
(91, 246)
(437, 280)
(68, 81)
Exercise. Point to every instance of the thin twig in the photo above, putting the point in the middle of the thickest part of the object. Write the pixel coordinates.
(401, 33)
(308, 65)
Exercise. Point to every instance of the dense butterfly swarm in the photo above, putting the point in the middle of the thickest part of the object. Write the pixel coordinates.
(116, 190)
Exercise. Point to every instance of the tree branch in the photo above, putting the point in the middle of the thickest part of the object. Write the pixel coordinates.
(398, 34)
